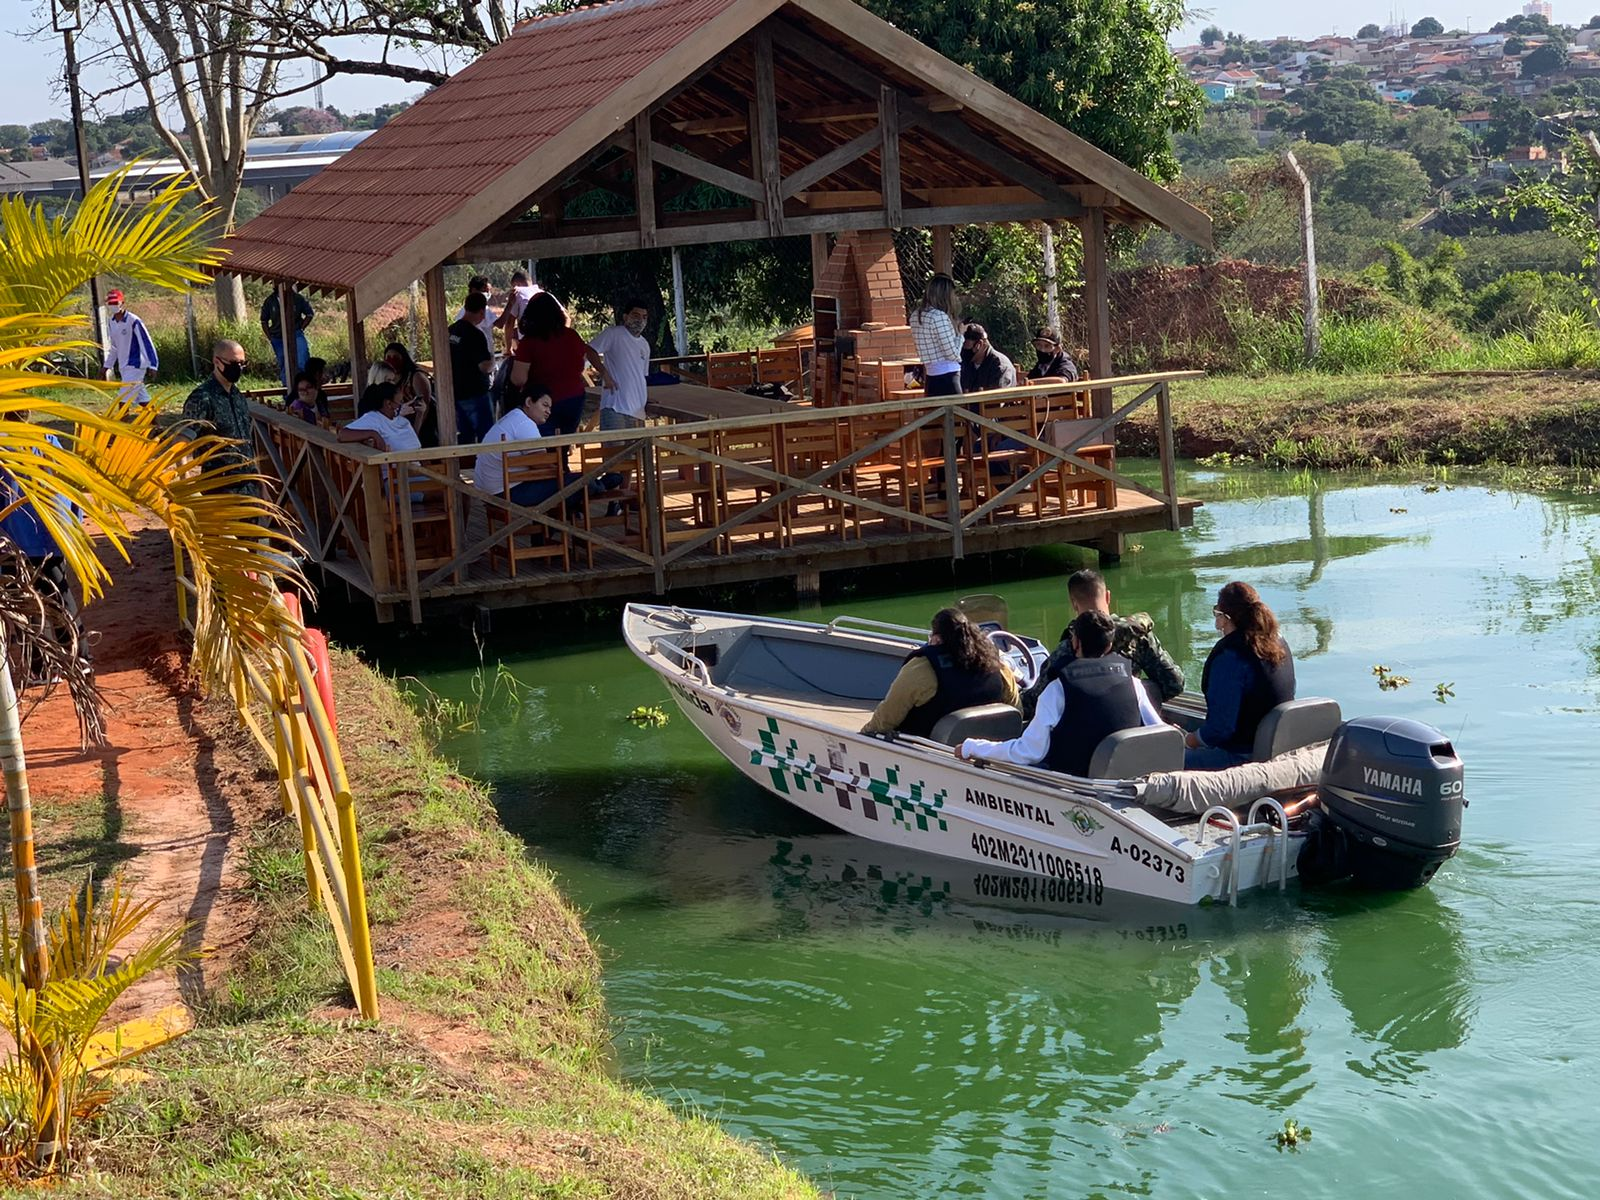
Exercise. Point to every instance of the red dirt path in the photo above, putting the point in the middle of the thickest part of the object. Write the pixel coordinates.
(176, 771)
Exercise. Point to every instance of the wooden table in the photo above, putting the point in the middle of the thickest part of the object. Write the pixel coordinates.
(693, 402)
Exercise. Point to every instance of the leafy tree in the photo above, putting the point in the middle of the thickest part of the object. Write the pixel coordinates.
(1222, 135)
(1515, 301)
(1513, 46)
(1521, 24)
(1387, 183)
(1103, 68)
(1342, 110)
(1210, 36)
(1436, 140)
(1546, 59)
(1430, 283)
(1511, 123)
(1368, 32)
(1427, 27)
(14, 138)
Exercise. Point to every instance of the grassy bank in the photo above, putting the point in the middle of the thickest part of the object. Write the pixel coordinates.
(488, 1076)
(1317, 420)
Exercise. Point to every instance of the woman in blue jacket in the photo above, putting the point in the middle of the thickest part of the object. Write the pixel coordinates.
(1248, 673)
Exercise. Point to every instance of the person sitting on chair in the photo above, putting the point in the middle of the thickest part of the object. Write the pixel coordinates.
(957, 668)
(1094, 696)
(1248, 673)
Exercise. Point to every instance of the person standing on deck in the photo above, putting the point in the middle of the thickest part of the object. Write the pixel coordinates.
(488, 318)
(522, 290)
(133, 354)
(272, 326)
(938, 336)
(219, 404)
(1134, 638)
(471, 364)
(626, 355)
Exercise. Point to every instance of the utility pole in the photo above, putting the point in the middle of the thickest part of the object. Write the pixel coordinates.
(66, 19)
(1313, 328)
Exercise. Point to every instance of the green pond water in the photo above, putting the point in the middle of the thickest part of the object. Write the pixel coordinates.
(893, 1035)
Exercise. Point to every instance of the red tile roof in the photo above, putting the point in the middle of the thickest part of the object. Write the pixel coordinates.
(481, 133)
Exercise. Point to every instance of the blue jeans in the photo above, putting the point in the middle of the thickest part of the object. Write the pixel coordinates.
(473, 418)
(611, 418)
(534, 491)
(1212, 758)
(301, 353)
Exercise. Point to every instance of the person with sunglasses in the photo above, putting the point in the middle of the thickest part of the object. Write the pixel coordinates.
(218, 406)
(1248, 673)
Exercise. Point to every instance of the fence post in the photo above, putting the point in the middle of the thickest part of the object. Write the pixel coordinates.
(1052, 302)
(1592, 143)
(1169, 453)
(1308, 237)
(952, 481)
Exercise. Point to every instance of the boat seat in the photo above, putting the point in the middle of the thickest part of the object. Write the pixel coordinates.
(996, 722)
(1134, 753)
(1294, 724)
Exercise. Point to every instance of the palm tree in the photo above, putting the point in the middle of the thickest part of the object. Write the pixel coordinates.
(110, 463)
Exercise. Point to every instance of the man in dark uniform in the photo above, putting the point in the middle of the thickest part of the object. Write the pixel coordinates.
(1134, 638)
(218, 406)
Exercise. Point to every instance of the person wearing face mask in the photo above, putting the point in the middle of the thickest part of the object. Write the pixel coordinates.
(218, 406)
(133, 354)
(626, 355)
(1051, 358)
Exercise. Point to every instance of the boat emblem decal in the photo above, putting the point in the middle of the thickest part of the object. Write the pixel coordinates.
(730, 718)
(1083, 822)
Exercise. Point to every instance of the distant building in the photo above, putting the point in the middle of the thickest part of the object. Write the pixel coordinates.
(1475, 123)
(1539, 8)
(1218, 90)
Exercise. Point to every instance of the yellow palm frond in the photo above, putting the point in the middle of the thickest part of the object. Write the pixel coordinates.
(46, 259)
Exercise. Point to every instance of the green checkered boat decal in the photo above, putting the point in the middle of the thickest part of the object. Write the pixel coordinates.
(910, 806)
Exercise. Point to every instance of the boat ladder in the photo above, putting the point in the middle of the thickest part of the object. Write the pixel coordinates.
(1279, 832)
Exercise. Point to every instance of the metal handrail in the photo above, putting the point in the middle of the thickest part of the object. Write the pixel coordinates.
(838, 623)
(1236, 840)
(1283, 826)
(688, 660)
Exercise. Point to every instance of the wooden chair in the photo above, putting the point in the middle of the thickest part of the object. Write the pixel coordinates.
(531, 542)
(809, 447)
(849, 379)
(1071, 486)
(869, 382)
(739, 491)
(998, 465)
(937, 485)
(781, 365)
(614, 512)
(731, 371)
(686, 487)
(433, 509)
(884, 475)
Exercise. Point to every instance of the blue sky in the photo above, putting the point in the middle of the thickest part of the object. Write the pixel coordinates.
(30, 82)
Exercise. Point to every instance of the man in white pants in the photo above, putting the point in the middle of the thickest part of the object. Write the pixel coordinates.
(131, 355)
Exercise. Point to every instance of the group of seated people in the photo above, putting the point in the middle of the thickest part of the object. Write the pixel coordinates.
(1089, 688)
(985, 368)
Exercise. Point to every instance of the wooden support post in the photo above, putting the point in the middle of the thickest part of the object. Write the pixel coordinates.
(1097, 306)
(889, 154)
(358, 349)
(286, 336)
(1308, 239)
(1169, 456)
(766, 127)
(644, 180)
(680, 316)
(819, 258)
(808, 585)
(1052, 301)
(943, 249)
(444, 384)
(1108, 546)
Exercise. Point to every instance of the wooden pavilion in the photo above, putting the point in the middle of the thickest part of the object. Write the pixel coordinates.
(810, 116)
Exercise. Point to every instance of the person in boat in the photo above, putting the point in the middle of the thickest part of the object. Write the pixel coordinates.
(1094, 696)
(1248, 673)
(1135, 640)
(957, 668)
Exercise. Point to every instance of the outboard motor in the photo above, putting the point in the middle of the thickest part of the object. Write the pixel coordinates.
(1391, 805)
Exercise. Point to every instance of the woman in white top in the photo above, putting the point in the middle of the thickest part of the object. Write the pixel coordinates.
(520, 424)
(938, 336)
(385, 422)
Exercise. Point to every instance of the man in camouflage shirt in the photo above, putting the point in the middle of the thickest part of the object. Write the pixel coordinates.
(1135, 639)
(218, 406)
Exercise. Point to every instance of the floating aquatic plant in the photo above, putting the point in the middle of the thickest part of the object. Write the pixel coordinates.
(1388, 681)
(1444, 692)
(1292, 1135)
(648, 714)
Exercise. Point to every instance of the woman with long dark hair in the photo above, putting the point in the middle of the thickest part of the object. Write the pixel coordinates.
(1248, 673)
(957, 668)
(550, 350)
(416, 391)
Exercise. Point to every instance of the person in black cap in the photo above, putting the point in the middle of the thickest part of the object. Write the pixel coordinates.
(983, 368)
(1053, 361)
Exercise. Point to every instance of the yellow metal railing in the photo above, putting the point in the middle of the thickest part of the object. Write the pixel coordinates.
(297, 733)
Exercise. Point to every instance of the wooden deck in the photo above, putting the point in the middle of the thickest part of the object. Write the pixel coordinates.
(790, 493)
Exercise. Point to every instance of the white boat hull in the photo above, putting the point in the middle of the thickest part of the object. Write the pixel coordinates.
(1081, 838)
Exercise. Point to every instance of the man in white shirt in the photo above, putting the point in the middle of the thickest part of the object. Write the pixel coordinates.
(132, 354)
(384, 423)
(522, 290)
(1094, 696)
(627, 357)
(521, 424)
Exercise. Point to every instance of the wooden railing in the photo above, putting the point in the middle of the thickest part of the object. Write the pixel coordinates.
(406, 527)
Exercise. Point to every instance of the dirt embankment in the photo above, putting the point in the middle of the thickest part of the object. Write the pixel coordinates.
(1525, 419)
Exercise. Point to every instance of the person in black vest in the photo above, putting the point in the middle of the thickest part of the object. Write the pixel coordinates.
(1094, 695)
(959, 667)
(1248, 673)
